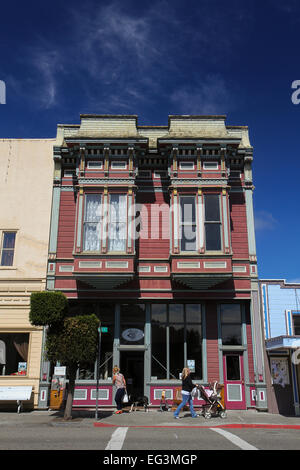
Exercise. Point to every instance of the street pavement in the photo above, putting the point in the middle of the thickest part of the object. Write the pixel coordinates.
(153, 432)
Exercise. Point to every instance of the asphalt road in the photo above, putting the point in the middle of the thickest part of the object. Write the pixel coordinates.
(52, 435)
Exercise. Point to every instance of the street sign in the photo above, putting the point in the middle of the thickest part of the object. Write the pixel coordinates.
(104, 329)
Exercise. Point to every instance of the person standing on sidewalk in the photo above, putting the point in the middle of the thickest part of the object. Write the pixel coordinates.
(120, 384)
(187, 387)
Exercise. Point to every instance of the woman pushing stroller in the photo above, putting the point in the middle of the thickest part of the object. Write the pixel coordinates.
(187, 387)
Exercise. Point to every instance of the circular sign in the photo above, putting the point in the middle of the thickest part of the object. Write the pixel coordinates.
(132, 334)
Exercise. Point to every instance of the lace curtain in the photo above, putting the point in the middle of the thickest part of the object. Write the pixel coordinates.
(117, 225)
(92, 222)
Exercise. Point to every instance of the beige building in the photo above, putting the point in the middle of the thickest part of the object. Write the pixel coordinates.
(26, 172)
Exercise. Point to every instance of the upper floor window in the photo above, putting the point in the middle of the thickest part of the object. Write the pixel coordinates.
(92, 223)
(117, 222)
(296, 323)
(186, 165)
(95, 164)
(212, 222)
(118, 165)
(210, 165)
(188, 223)
(8, 248)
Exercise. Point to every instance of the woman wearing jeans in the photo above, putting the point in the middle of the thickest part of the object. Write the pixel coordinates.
(120, 384)
(187, 387)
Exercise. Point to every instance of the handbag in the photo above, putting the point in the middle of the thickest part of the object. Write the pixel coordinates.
(194, 392)
(125, 398)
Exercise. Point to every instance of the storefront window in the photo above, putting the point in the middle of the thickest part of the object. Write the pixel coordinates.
(176, 345)
(176, 339)
(132, 324)
(106, 314)
(13, 353)
(231, 324)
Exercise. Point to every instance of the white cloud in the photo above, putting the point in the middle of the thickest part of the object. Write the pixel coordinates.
(211, 96)
(264, 221)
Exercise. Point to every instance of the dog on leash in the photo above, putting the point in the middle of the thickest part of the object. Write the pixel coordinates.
(136, 401)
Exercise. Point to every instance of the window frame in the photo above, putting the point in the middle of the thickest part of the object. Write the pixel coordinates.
(118, 165)
(167, 324)
(192, 224)
(192, 163)
(100, 162)
(3, 232)
(232, 323)
(295, 314)
(213, 222)
(29, 337)
(209, 163)
(109, 222)
(100, 222)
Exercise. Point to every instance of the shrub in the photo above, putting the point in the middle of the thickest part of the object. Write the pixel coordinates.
(47, 308)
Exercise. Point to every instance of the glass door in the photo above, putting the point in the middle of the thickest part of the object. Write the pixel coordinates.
(234, 383)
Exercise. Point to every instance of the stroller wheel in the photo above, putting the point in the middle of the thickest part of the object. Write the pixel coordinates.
(223, 414)
(207, 415)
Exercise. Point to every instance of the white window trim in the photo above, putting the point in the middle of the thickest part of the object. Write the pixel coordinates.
(180, 224)
(118, 165)
(100, 167)
(2, 231)
(220, 222)
(185, 168)
(160, 269)
(144, 269)
(210, 168)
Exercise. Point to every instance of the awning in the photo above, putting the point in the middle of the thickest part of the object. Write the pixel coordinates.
(104, 281)
(201, 281)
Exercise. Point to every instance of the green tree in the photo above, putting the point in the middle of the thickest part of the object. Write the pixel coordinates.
(71, 340)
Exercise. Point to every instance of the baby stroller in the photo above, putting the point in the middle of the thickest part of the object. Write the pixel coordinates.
(212, 398)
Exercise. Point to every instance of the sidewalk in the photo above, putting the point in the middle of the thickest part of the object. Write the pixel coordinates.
(154, 418)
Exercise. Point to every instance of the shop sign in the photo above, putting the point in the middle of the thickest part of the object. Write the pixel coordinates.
(133, 334)
(15, 393)
(60, 370)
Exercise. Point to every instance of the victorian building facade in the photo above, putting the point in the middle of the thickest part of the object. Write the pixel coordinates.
(152, 229)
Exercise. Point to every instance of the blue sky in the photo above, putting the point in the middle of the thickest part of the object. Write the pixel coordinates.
(168, 57)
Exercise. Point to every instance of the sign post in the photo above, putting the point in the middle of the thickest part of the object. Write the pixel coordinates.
(98, 368)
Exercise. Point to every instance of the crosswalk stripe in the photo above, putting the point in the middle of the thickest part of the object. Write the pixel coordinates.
(235, 439)
(117, 439)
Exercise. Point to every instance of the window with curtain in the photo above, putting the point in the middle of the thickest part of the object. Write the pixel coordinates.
(92, 223)
(117, 222)
(188, 223)
(13, 353)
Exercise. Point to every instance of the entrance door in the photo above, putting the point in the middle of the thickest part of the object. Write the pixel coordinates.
(234, 383)
(132, 367)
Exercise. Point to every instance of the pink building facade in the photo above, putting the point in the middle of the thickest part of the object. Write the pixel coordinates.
(152, 229)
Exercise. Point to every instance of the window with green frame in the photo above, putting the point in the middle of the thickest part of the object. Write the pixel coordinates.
(231, 324)
(176, 337)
